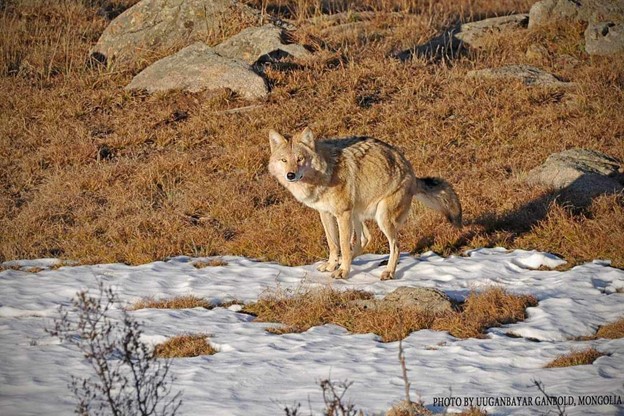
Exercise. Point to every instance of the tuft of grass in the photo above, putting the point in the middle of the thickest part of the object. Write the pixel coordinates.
(216, 262)
(191, 345)
(179, 302)
(582, 357)
(482, 310)
(613, 330)
(302, 309)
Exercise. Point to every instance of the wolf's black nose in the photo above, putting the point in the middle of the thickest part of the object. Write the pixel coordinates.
(290, 176)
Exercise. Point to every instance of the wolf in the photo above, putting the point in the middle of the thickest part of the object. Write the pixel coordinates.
(352, 180)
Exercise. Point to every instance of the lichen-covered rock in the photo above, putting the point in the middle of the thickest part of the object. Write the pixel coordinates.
(604, 38)
(197, 67)
(528, 74)
(472, 33)
(425, 298)
(562, 169)
(546, 11)
(604, 34)
(255, 43)
(163, 24)
(578, 175)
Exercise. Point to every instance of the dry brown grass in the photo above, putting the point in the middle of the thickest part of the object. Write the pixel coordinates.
(93, 173)
(582, 357)
(304, 308)
(474, 411)
(613, 330)
(181, 346)
(210, 263)
(490, 308)
(179, 302)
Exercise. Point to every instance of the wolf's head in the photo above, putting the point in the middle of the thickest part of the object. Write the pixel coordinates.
(295, 159)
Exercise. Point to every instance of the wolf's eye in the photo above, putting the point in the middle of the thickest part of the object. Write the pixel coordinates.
(283, 160)
(300, 159)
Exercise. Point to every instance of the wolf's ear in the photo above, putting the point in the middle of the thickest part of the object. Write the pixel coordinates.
(307, 138)
(276, 140)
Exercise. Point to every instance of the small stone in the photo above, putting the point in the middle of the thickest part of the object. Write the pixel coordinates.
(529, 75)
(473, 33)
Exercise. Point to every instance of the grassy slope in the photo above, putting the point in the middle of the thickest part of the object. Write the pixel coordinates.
(94, 173)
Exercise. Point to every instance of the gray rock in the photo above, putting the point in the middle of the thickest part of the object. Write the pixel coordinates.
(529, 75)
(425, 298)
(562, 169)
(579, 175)
(472, 33)
(604, 34)
(604, 38)
(164, 24)
(197, 67)
(255, 43)
(546, 11)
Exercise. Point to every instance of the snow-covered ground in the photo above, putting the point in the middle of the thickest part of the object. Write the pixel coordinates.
(258, 373)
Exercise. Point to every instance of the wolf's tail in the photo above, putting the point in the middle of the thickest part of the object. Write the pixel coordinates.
(439, 195)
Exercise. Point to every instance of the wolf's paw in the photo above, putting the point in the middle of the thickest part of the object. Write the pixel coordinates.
(387, 275)
(327, 266)
(340, 274)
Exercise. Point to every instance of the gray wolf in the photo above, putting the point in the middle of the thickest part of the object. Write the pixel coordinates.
(352, 180)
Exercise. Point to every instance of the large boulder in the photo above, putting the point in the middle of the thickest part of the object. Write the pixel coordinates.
(579, 175)
(197, 67)
(545, 11)
(604, 38)
(165, 24)
(605, 32)
(528, 74)
(562, 169)
(473, 33)
(259, 43)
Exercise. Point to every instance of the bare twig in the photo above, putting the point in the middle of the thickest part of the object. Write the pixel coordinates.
(129, 378)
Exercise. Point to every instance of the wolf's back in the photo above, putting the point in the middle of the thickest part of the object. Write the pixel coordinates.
(439, 195)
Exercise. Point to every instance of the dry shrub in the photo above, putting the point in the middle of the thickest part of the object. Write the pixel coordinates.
(179, 302)
(180, 346)
(91, 172)
(304, 308)
(582, 357)
(613, 330)
(482, 310)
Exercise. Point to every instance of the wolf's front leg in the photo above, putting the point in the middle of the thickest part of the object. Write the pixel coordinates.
(331, 234)
(345, 229)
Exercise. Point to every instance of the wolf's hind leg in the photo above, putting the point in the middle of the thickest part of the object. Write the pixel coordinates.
(391, 213)
(331, 234)
(360, 239)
